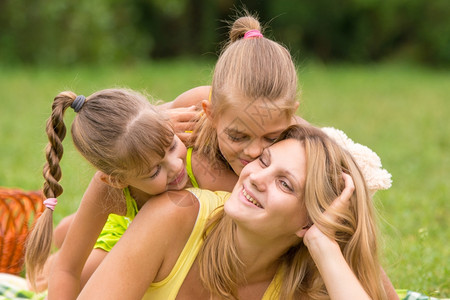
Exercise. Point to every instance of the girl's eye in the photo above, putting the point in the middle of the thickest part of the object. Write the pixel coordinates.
(286, 186)
(174, 146)
(236, 138)
(270, 140)
(158, 169)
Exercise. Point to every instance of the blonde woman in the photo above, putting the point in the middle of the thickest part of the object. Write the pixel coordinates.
(299, 224)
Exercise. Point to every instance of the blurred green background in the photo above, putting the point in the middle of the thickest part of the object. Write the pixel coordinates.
(379, 70)
(104, 31)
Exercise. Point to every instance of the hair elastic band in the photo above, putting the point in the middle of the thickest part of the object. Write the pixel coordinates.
(50, 203)
(77, 104)
(254, 33)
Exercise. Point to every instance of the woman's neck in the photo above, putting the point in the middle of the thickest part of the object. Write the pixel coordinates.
(261, 257)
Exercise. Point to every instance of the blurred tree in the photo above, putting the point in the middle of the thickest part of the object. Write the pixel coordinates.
(365, 30)
(69, 31)
(82, 31)
(177, 27)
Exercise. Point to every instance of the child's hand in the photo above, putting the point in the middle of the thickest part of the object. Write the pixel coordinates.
(313, 235)
(183, 120)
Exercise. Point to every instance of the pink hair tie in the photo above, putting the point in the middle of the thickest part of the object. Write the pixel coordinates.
(50, 203)
(253, 34)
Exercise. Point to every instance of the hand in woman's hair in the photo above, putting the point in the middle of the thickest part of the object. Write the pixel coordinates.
(313, 233)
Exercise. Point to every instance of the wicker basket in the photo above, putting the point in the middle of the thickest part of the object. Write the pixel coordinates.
(18, 210)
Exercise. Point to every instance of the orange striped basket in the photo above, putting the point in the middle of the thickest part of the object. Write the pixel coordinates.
(18, 211)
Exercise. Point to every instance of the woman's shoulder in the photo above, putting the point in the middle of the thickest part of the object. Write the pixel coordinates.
(209, 200)
(171, 206)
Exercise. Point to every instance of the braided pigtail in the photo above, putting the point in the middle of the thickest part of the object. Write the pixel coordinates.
(38, 245)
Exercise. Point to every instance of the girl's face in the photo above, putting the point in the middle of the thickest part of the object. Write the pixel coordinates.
(268, 196)
(168, 174)
(244, 133)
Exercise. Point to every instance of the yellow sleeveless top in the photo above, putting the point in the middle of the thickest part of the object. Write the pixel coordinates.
(168, 288)
(116, 225)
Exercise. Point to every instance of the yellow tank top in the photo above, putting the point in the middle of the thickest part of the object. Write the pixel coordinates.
(168, 288)
(116, 225)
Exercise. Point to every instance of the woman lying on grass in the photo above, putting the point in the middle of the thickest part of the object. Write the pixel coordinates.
(299, 224)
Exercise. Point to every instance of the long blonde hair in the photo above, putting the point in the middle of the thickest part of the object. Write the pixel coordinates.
(353, 228)
(251, 69)
(117, 130)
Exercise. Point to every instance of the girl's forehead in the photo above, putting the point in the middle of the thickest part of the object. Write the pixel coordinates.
(254, 120)
(260, 107)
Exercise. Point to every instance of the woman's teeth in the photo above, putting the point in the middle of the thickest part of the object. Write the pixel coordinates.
(250, 199)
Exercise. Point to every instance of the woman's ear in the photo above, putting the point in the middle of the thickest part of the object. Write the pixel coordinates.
(301, 232)
(112, 181)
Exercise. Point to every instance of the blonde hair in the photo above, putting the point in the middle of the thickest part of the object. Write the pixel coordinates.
(117, 130)
(251, 69)
(352, 227)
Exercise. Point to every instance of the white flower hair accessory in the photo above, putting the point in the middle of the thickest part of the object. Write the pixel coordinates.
(368, 161)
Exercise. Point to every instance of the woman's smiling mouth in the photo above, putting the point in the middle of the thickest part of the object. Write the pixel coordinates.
(250, 198)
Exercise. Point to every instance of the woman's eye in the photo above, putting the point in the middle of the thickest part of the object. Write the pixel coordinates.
(286, 186)
(158, 169)
(262, 161)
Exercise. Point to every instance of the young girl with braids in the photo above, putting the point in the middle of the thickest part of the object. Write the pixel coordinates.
(135, 150)
(299, 224)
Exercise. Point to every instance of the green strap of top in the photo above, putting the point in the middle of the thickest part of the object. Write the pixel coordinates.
(189, 167)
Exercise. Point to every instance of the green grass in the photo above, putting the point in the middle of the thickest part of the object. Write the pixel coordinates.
(399, 111)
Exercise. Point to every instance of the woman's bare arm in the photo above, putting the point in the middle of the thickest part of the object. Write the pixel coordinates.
(147, 251)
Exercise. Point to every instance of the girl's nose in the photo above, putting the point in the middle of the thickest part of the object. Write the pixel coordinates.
(254, 149)
(174, 165)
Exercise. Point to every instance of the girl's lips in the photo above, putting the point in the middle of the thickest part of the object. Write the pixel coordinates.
(244, 162)
(179, 178)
